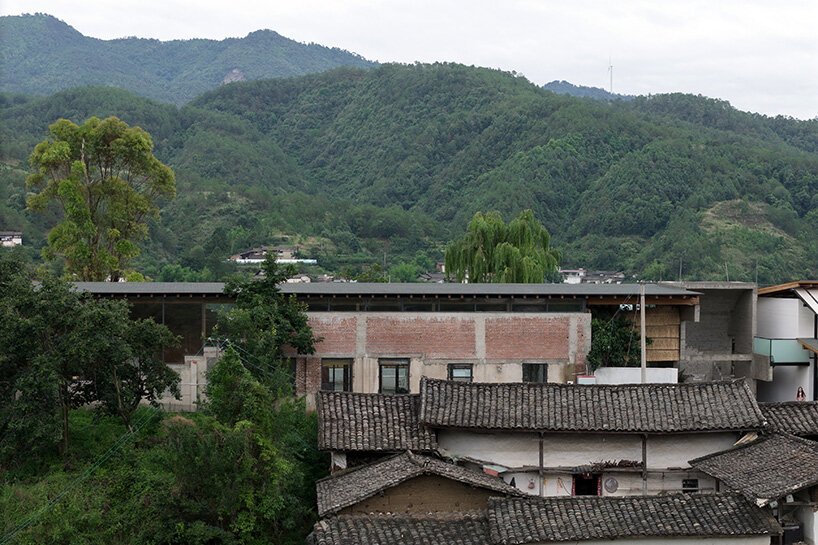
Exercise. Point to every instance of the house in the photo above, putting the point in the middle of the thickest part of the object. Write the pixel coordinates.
(283, 254)
(549, 439)
(10, 239)
(787, 337)
(795, 417)
(715, 519)
(778, 471)
(408, 483)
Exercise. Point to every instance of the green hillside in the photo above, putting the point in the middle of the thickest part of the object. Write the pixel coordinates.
(41, 55)
(388, 164)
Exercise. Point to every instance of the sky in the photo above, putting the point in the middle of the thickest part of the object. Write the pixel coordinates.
(760, 55)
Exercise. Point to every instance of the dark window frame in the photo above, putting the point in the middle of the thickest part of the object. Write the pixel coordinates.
(537, 368)
(337, 363)
(460, 366)
(398, 364)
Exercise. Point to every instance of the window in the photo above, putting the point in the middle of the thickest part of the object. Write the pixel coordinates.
(535, 372)
(394, 376)
(587, 484)
(336, 374)
(461, 372)
(690, 485)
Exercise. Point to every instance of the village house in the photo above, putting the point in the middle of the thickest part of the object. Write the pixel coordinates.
(549, 439)
(10, 239)
(716, 519)
(777, 471)
(788, 339)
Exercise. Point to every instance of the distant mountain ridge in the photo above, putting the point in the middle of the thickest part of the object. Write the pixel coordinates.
(42, 55)
(563, 87)
(387, 164)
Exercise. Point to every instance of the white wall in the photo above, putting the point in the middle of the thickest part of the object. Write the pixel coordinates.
(675, 450)
(778, 318)
(514, 450)
(629, 484)
(785, 383)
(751, 540)
(633, 375)
(809, 517)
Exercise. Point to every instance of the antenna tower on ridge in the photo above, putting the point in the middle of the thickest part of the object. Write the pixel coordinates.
(610, 71)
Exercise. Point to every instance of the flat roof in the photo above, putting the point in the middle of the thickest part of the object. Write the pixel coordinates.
(397, 289)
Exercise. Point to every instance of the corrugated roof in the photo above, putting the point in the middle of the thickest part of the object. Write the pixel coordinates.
(657, 408)
(517, 521)
(766, 469)
(339, 491)
(365, 288)
(448, 529)
(371, 422)
(795, 417)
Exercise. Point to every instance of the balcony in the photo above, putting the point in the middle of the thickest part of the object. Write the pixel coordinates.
(782, 351)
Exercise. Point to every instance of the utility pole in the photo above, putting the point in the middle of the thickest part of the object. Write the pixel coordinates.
(642, 342)
(610, 71)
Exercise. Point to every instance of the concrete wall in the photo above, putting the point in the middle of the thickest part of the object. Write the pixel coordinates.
(496, 343)
(514, 450)
(425, 494)
(193, 379)
(717, 338)
(785, 383)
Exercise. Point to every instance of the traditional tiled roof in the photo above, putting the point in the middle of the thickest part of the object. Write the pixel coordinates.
(371, 422)
(766, 469)
(658, 408)
(449, 529)
(795, 417)
(515, 521)
(351, 487)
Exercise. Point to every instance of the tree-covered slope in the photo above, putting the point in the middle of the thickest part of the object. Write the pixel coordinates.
(41, 55)
(395, 160)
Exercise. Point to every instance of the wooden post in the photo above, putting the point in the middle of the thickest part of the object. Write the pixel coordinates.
(642, 343)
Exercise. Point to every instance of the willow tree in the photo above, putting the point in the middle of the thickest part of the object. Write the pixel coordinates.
(493, 251)
(106, 180)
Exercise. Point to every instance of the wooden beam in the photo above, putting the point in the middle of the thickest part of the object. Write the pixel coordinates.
(649, 300)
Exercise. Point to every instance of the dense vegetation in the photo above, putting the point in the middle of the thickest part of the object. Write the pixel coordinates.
(240, 471)
(42, 55)
(386, 165)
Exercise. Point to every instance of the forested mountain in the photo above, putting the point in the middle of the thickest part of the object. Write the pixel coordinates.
(563, 87)
(41, 55)
(387, 164)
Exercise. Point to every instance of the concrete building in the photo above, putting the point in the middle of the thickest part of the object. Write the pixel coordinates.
(716, 336)
(787, 338)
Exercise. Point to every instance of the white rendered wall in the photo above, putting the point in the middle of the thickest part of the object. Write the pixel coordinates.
(778, 318)
(751, 540)
(785, 383)
(633, 375)
(809, 517)
(666, 451)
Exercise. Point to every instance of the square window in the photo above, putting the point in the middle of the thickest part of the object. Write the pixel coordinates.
(394, 376)
(461, 372)
(535, 372)
(336, 374)
(690, 485)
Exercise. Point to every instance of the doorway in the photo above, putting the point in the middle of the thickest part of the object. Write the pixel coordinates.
(587, 484)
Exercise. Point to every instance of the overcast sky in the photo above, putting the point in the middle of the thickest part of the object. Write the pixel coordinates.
(761, 55)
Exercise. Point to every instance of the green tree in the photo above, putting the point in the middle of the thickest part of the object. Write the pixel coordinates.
(263, 321)
(614, 343)
(61, 349)
(105, 178)
(493, 251)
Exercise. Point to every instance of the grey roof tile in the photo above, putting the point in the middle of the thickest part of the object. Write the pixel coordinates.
(516, 521)
(766, 469)
(634, 408)
(371, 422)
(448, 529)
(795, 417)
(348, 488)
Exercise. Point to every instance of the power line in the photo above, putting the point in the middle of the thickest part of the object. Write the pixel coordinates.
(85, 474)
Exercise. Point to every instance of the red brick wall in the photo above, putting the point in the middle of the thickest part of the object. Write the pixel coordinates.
(432, 336)
(517, 337)
(338, 334)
